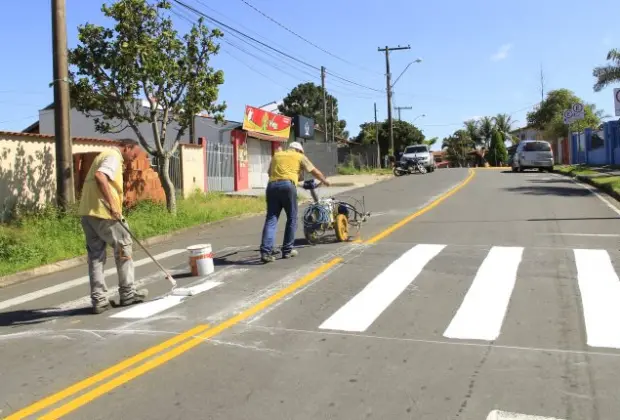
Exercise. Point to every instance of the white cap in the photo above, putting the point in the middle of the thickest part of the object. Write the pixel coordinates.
(296, 146)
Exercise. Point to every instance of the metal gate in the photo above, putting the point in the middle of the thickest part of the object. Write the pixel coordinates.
(174, 170)
(220, 167)
(259, 155)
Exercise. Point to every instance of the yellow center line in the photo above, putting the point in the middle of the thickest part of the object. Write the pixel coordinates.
(104, 374)
(420, 212)
(177, 351)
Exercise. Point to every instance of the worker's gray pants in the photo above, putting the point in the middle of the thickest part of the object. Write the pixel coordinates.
(99, 233)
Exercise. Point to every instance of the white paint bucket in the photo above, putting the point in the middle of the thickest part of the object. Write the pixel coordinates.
(201, 259)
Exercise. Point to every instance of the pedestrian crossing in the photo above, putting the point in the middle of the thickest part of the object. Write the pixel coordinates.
(482, 310)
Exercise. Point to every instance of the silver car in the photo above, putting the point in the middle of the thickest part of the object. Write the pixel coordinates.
(533, 154)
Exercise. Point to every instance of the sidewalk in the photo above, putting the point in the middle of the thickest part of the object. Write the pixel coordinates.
(338, 185)
(605, 178)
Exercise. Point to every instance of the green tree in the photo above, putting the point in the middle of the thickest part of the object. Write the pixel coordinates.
(503, 124)
(431, 142)
(457, 146)
(307, 99)
(486, 130)
(472, 128)
(549, 117)
(497, 151)
(144, 56)
(608, 74)
(405, 134)
(367, 134)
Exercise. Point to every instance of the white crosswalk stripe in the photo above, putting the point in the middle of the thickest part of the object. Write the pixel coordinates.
(481, 315)
(600, 296)
(482, 312)
(363, 309)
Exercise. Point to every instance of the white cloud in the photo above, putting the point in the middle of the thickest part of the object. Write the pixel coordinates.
(502, 53)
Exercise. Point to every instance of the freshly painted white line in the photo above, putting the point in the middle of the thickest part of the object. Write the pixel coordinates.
(505, 415)
(77, 282)
(599, 287)
(147, 309)
(362, 310)
(482, 312)
(597, 235)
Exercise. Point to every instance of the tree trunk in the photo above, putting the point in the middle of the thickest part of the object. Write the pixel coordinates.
(163, 169)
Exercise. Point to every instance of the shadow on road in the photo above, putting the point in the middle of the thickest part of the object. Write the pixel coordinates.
(37, 316)
(550, 190)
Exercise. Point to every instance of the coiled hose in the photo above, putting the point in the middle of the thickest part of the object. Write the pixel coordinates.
(316, 214)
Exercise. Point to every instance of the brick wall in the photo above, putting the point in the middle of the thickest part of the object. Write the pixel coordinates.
(141, 181)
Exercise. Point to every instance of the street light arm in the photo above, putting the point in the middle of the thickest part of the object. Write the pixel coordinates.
(403, 72)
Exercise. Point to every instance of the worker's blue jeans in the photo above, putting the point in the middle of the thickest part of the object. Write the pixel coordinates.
(280, 195)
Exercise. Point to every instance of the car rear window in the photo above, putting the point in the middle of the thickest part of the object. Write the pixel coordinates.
(538, 146)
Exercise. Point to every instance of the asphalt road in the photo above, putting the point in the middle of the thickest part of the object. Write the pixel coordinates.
(486, 295)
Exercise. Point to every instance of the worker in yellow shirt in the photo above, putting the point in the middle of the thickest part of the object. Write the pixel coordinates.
(104, 181)
(284, 173)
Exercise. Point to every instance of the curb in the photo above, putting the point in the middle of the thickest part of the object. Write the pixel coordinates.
(588, 180)
(63, 265)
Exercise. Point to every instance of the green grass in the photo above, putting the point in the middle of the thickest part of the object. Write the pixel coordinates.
(351, 170)
(45, 237)
(575, 170)
(608, 183)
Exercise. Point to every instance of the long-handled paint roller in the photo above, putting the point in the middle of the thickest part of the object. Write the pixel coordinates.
(174, 291)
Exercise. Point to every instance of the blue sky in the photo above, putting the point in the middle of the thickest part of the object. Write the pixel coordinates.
(480, 57)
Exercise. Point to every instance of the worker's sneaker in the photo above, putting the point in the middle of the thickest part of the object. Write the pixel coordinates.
(267, 258)
(292, 253)
(138, 296)
(99, 308)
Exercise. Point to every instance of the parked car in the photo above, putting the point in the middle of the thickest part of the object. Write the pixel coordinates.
(533, 154)
(423, 153)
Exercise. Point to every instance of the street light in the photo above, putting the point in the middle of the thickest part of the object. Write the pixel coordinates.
(419, 116)
(416, 61)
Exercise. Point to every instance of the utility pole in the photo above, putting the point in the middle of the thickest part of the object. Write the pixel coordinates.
(333, 122)
(388, 77)
(542, 85)
(324, 102)
(400, 108)
(65, 193)
(377, 138)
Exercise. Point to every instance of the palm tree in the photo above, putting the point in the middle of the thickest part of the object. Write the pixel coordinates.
(457, 146)
(473, 131)
(608, 74)
(486, 130)
(431, 142)
(503, 124)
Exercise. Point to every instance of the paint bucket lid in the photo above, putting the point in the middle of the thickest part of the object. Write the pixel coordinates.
(199, 247)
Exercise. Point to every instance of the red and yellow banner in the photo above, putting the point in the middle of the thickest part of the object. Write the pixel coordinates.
(261, 121)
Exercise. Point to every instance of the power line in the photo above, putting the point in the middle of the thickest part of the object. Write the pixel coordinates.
(304, 39)
(236, 31)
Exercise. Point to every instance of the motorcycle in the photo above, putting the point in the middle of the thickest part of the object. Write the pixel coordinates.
(408, 166)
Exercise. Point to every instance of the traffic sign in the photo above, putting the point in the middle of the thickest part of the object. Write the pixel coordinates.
(617, 101)
(576, 113)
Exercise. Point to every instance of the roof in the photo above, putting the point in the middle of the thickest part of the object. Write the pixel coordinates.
(267, 137)
(52, 137)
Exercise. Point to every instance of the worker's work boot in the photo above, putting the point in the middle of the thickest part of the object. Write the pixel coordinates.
(292, 253)
(101, 307)
(138, 296)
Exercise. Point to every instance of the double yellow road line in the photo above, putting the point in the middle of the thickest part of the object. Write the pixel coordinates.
(179, 344)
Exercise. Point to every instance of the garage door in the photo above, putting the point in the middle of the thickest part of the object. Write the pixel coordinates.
(259, 156)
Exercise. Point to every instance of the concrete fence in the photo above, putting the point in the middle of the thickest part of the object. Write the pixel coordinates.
(28, 172)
